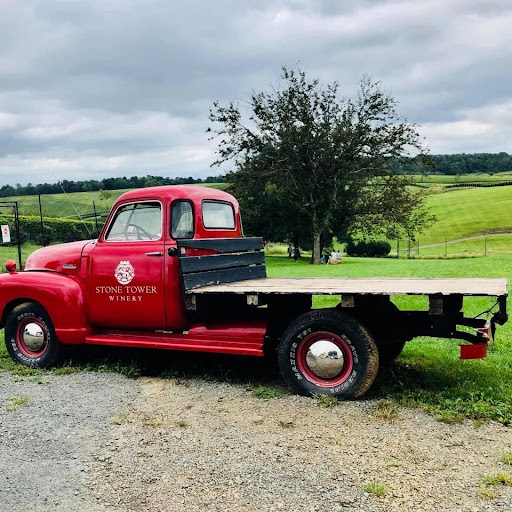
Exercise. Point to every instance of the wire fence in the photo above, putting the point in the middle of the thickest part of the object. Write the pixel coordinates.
(473, 246)
(62, 219)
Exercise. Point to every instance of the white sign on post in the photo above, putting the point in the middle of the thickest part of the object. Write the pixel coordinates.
(6, 234)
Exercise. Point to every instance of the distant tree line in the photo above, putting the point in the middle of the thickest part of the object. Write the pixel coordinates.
(462, 163)
(104, 184)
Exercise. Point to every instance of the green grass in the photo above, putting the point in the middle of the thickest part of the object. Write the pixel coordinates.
(267, 393)
(465, 212)
(386, 410)
(506, 458)
(498, 479)
(16, 402)
(376, 489)
(429, 374)
(492, 244)
(10, 252)
(325, 401)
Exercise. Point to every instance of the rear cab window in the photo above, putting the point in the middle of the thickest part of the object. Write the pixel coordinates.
(182, 219)
(218, 215)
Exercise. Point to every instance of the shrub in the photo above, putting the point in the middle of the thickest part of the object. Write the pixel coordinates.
(370, 248)
(55, 229)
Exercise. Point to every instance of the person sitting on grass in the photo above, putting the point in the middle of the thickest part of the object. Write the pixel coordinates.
(335, 257)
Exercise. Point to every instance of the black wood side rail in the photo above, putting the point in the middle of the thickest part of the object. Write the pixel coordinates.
(238, 259)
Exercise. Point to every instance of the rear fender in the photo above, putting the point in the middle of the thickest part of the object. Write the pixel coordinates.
(60, 295)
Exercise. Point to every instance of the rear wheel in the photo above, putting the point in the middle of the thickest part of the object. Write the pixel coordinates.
(327, 352)
(30, 336)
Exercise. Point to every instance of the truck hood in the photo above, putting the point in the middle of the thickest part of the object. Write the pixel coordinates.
(64, 258)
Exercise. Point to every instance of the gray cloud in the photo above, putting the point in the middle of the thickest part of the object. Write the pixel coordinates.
(92, 89)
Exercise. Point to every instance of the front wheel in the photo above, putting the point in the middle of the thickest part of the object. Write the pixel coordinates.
(327, 352)
(30, 336)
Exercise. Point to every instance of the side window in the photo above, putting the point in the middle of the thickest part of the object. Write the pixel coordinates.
(135, 222)
(218, 215)
(182, 220)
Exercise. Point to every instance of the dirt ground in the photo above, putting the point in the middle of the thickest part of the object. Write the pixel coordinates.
(100, 441)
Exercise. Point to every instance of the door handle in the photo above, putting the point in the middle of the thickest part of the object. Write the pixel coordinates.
(156, 253)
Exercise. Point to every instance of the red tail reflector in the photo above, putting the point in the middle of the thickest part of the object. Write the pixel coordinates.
(477, 351)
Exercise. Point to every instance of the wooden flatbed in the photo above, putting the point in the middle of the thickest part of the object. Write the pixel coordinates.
(359, 286)
(240, 276)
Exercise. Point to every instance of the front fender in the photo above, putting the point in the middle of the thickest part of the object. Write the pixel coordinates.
(61, 296)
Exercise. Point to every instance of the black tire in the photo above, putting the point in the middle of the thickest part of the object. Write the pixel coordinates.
(344, 377)
(388, 352)
(30, 350)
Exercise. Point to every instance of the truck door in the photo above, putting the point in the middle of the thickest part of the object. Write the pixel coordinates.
(125, 279)
(181, 227)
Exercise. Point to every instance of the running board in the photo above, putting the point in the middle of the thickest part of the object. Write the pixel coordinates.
(220, 339)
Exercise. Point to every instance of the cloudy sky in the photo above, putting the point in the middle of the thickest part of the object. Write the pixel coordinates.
(99, 88)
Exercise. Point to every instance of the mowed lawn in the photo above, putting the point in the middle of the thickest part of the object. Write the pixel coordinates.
(429, 373)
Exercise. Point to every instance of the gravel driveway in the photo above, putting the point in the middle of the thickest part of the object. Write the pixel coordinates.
(99, 441)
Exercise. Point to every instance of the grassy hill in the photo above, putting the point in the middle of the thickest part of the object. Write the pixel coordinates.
(467, 212)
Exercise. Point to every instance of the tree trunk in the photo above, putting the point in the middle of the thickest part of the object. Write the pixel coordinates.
(316, 249)
(295, 239)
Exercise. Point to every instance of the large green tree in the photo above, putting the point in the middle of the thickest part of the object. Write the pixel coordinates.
(310, 164)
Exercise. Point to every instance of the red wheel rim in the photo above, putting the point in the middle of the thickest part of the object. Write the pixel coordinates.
(28, 349)
(343, 347)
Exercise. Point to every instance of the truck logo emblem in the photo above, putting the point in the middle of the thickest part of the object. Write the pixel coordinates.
(124, 272)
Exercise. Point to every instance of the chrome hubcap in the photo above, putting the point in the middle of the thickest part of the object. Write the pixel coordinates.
(325, 359)
(33, 337)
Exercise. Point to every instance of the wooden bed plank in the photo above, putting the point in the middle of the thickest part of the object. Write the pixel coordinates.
(191, 264)
(353, 286)
(213, 277)
(223, 245)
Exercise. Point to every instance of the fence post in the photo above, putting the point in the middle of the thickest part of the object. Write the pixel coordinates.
(445, 245)
(485, 246)
(43, 241)
(398, 248)
(17, 221)
(418, 246)
(96, 219)
(409, 248)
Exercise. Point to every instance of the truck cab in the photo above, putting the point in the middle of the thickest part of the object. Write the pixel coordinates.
(130, 275)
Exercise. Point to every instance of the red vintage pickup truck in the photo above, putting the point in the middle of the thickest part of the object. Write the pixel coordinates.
(172, 270)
